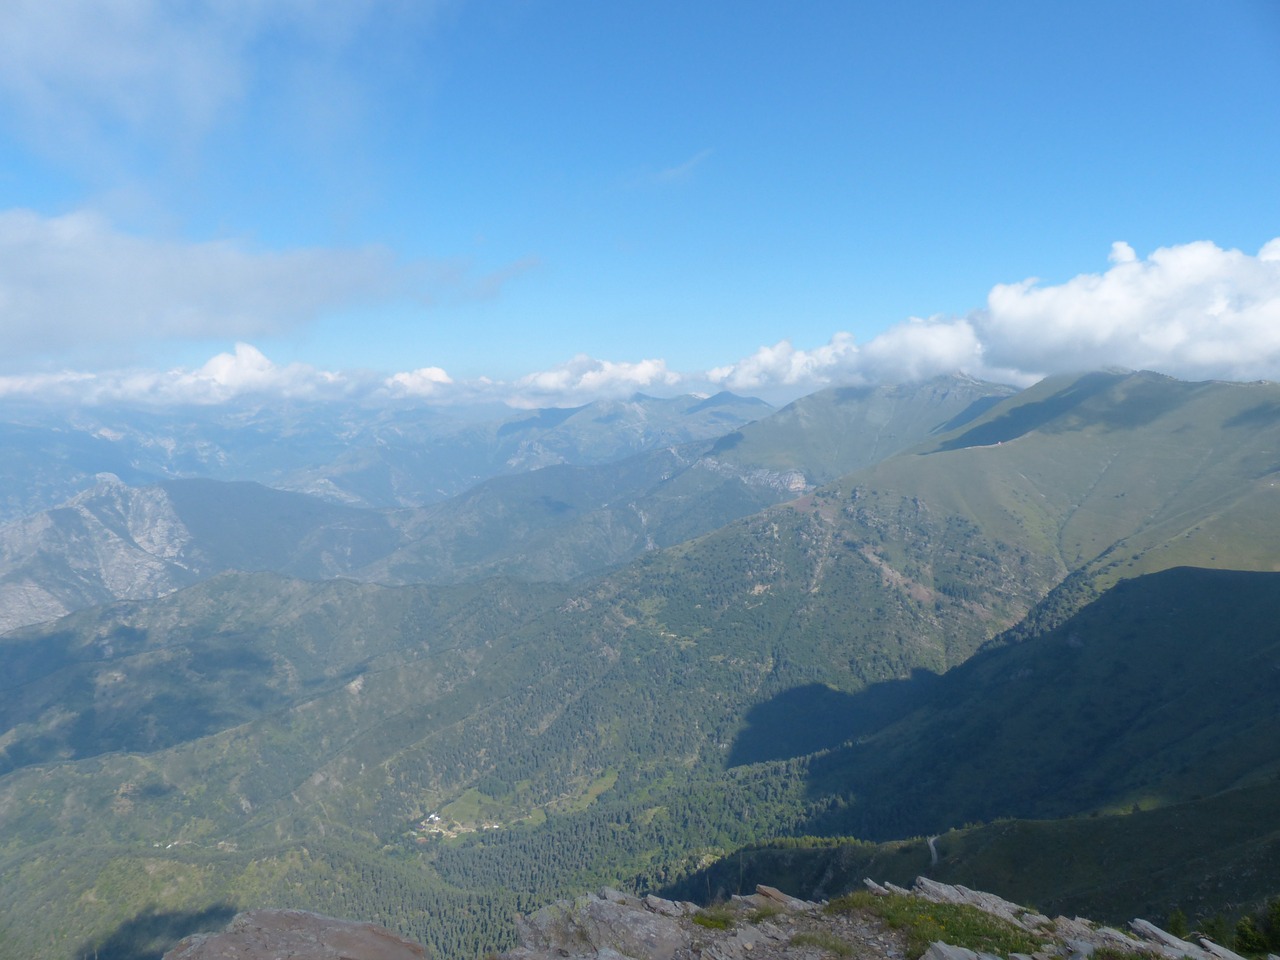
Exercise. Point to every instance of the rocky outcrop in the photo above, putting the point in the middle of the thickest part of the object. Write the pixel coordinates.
(111, 542)
(272, 934)
(1074, 938)
(606, 925)
(652, 928)
(769, 925)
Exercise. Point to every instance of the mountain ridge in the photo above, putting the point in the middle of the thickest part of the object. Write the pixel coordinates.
(601, 723)
(557, 522)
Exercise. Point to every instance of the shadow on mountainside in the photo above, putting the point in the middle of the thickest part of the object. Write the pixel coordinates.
(1161, 690)
(155, 702)
(1263, 415)
(1142, 401)
(815, 717)
(148, 934)
(970, 413)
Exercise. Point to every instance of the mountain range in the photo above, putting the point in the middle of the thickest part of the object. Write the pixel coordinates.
(881, 613)
(115, 540)
(391, 455)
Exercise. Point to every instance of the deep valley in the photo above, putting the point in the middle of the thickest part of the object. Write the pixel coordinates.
(702, 645)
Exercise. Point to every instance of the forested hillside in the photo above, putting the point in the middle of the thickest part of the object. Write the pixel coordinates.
(848, 662)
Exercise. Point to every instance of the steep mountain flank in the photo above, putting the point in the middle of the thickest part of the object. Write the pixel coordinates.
(1205, 858)
(1162, 690)
(115, 542)
(842, 429)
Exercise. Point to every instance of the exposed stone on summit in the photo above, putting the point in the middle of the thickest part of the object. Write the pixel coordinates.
(599, 925)
(615, 925)
(770, 925)
(273, 934)
(989, 903)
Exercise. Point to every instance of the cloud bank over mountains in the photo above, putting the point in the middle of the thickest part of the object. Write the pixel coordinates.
(1195, 311)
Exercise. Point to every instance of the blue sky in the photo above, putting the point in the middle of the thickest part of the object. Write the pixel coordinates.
(546, 201)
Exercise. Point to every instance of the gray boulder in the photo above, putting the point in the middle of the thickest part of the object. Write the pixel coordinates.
(592, 925)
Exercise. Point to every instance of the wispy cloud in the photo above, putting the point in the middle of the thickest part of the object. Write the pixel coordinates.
(682, 171)
(580, 379)
(76, 74)
(73, 285)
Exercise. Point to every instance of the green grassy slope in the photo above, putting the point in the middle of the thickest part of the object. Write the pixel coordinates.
(842, 429)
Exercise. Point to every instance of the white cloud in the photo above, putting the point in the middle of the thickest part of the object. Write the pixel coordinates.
(424, 382)
(66, 386)
(783, 365)
(247, 370)
(224, 377)
(1194, 311)
(1121, 252)
(585, 378)
(912, 350)
(247, 373)
(76, 73)
(73, 284)
(921, 348)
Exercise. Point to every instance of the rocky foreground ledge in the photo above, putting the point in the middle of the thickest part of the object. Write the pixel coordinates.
(767, 925)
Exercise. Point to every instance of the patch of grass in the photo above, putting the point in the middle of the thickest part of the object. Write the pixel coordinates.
(924, 922)
(761, 914)
(823, 941)
(715, 918)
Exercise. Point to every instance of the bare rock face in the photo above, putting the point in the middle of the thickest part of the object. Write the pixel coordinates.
(770, 925)
(271, 934)
(111, 542)
(618, 926)
(609, 923)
